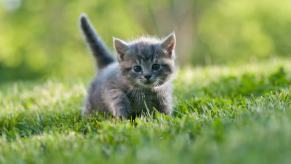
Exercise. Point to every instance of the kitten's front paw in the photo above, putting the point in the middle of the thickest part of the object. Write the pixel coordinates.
(122, 113)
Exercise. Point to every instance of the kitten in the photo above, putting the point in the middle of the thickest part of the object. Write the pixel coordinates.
(138, 82)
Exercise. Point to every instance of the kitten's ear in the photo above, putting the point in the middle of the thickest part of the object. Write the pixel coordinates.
(169, 43)
(121, 47)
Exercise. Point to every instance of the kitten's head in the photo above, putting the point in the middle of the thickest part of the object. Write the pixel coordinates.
(146, 62)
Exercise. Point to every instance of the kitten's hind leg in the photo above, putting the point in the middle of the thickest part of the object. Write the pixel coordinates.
(165, 104)
(118, 103)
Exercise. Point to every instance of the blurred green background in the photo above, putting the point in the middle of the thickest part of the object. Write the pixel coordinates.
(40, 38)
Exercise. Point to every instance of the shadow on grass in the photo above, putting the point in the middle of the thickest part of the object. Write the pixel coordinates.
(238, 94)
(248, 84)
(233, 86)
(20, 73)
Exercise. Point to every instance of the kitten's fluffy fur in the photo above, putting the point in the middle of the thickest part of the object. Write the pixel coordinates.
(139, 81)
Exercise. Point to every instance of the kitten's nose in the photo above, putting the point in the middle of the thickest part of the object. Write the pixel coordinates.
(147, 76)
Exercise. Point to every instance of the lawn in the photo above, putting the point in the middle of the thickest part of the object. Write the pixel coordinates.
(223, 114)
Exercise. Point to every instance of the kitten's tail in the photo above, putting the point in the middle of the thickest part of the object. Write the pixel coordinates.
(98, 48)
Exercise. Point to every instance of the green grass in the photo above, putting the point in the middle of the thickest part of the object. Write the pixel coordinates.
(234, 114)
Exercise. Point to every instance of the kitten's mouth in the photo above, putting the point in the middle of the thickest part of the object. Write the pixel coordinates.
(150, 83)
(146, 83)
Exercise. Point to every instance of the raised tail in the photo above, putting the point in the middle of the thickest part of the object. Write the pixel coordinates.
(98, 48)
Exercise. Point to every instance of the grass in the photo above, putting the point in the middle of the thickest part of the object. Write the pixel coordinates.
(234, 114)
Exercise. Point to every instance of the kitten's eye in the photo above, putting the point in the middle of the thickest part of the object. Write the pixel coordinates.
(137, 68)
(155, 67)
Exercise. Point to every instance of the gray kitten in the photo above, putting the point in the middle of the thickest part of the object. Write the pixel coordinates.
(138, 82)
